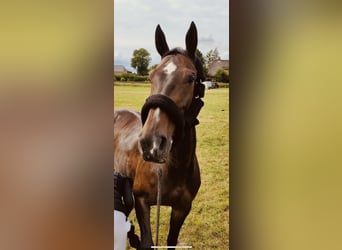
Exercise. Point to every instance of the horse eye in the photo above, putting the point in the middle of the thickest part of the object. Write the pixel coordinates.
(191, 79)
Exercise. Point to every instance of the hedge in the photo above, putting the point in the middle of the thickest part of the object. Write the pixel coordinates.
(129, 77)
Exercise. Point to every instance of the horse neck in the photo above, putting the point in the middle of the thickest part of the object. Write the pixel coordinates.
(183, 151)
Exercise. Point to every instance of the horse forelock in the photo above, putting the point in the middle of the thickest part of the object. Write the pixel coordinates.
(196, 61)
(176, 51)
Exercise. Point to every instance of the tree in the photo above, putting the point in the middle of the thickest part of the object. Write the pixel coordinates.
(212, 56)
(222, 76)
(202, 59)
(140, 61)
(200, 56)
(153, 67)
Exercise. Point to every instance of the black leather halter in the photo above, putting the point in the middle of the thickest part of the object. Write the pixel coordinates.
(168, 106)
(181, 119)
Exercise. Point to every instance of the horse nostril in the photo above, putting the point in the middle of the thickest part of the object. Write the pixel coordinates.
(162, 143)
(147, 156)
(145, 144)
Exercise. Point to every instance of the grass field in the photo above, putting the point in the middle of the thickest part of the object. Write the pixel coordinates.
(206, 227)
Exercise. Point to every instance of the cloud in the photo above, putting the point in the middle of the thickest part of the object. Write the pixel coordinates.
(206, 40)
(135, 22)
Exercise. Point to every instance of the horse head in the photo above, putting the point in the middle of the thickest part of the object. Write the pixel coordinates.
(176, 90)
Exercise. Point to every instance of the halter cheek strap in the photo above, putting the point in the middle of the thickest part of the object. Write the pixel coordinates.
(199, 87)
(192, 113)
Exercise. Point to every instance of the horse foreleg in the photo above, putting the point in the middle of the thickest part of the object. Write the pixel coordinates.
(178, 216)
(143, 215)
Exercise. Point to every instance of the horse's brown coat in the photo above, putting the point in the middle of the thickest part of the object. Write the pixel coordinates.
(177, 159)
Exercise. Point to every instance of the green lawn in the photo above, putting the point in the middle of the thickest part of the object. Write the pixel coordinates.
(206, 227)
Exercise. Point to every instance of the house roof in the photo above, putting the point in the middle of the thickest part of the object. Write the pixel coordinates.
(119, 68)
(216, 65)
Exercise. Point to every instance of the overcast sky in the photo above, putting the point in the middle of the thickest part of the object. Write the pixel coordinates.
(135, 22)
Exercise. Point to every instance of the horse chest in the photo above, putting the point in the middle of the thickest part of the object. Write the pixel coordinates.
(174, 192)
(175, 195)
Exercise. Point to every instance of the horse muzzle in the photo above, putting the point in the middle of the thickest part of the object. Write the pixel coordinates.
(154, 149)
(170, 108)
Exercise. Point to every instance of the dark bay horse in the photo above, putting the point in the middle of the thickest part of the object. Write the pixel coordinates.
(164, 136)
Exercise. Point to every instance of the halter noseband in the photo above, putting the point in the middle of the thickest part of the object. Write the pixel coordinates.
(167, 105)
(188, 119)
(180, 119)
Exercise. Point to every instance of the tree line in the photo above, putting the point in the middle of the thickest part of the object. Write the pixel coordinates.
(141, 60)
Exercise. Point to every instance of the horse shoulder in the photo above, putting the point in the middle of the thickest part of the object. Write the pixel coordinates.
(145, 181)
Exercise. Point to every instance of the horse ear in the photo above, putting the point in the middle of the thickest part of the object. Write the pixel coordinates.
(160, 41)
(191, 40)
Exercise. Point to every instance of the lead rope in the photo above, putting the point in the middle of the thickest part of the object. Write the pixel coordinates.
(159, 174)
